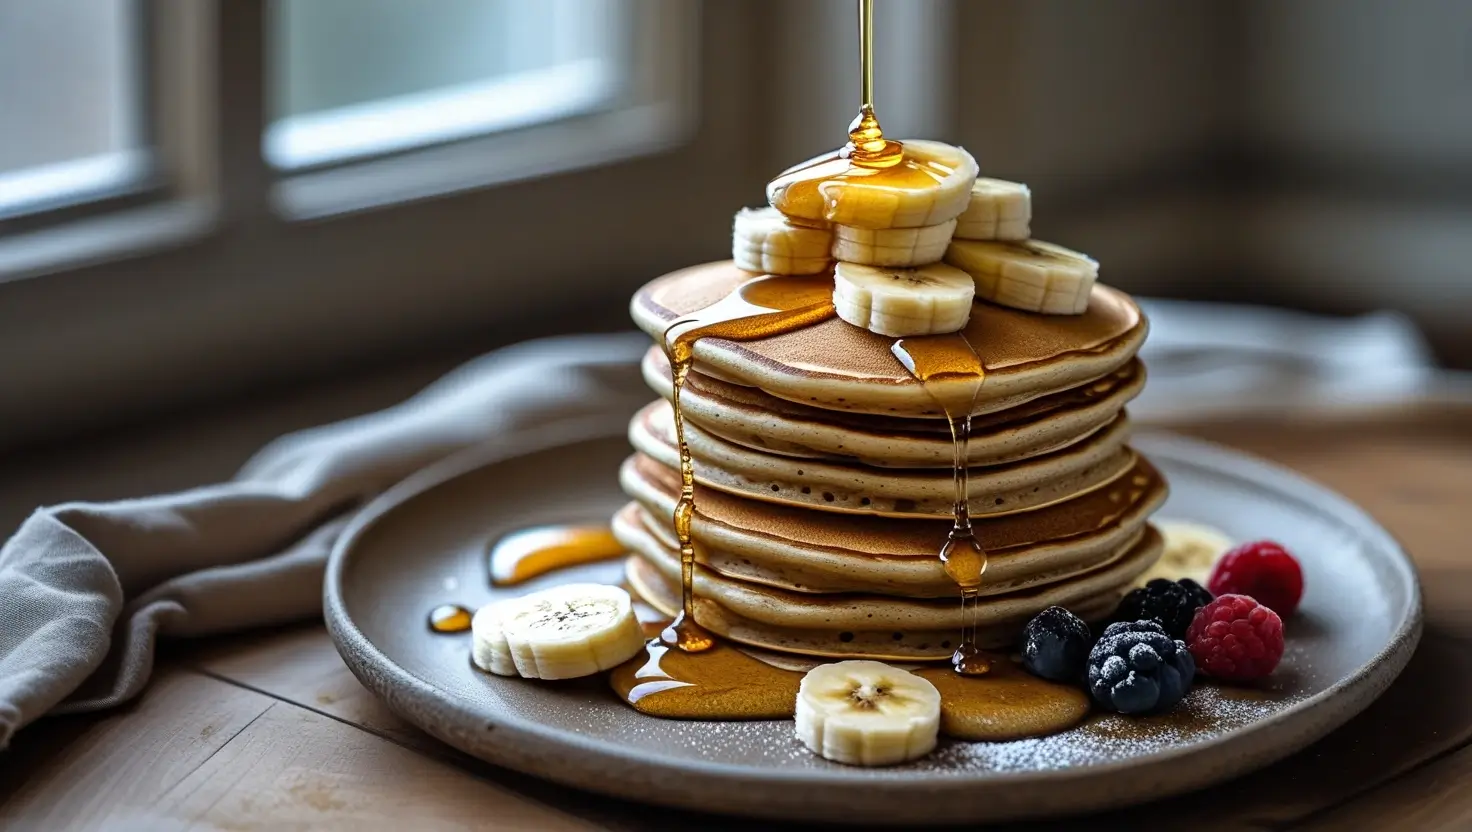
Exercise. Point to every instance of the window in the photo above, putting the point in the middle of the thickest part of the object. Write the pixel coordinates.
(71, 99)
(354, 78)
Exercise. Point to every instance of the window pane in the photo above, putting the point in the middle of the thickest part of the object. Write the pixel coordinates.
(70, 124)
(359, 77)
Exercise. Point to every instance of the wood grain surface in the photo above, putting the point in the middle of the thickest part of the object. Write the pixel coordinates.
(270, 731)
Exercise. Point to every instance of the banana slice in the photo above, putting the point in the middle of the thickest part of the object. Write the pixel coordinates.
(931, 185)
(489, 649)
(901, 302)
(762, 240)
(999, 210)
(558, 633)
(1191, 550)
(892, 246)
(867, 713)
(1033, 275)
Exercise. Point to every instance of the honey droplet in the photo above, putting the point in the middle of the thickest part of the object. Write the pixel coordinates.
(449, 618)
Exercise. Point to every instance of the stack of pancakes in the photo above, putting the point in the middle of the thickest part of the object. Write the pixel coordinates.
(824, 478)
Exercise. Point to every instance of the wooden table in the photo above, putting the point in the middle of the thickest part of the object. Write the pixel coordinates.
(271, 731)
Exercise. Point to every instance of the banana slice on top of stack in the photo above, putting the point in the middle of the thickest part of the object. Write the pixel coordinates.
(1031, 275)
(911, 246)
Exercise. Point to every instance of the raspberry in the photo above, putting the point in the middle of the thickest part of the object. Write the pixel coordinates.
(1263, 570)
(1170, 603)
(1235, 638)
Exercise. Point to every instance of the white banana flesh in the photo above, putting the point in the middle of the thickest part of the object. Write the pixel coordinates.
(999, 210)
(1032, 275)
(866, 713)
(489, 649)
(763, 240)
(927, 300)
(1191, 550)
(892, 246)
(560, 633)
(937, 189)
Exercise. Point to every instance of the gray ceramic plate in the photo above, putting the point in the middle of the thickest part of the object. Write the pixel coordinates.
(424, 543)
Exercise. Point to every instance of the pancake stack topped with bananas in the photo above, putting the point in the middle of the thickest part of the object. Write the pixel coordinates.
(824, 470)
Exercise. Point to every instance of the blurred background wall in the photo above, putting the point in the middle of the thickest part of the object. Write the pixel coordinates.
(201, 201)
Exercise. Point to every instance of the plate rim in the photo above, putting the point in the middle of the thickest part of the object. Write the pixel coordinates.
(415, 698)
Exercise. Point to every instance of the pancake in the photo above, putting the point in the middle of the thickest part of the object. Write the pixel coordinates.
(836, 366)
(751, 418)
(828, 486)
(873, 626)
(639, 531)
(807, 551)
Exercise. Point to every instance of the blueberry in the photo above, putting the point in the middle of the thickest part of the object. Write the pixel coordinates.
(1144, 658)
(1135, 668)
(1137, 694)
(1171, 603)
(1055, 645)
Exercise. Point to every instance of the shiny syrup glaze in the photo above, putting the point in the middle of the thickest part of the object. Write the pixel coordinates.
(759, 308)
(719, 683)
(952, 374)
(525, 554)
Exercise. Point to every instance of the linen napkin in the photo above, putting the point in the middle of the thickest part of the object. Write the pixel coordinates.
(87, 588)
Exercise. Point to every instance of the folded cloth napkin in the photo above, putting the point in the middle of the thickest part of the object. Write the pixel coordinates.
(86, 588)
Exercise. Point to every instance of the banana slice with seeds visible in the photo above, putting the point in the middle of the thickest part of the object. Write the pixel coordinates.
(1032, 275)
(1191, 550)
(930, 186)
(999, 210)
(892, 246)
(867, 713)
(928, 300)
(559, 633)
(762, 240)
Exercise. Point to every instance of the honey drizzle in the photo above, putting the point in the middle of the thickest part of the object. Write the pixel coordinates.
(867, 146)
(760, 308)
(449, 618)
(952, 374)
(522, 555)
(721, 683)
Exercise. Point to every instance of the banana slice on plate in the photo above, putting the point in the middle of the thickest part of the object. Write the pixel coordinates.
(1032, 275)
(559, 633)
(489, 649)
(999, 210)
(762, 240)
(1191, 550)
(928, 300)
(931, 185)
(866, 713)
(892, 246)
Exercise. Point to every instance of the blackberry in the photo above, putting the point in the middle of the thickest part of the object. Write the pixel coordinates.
(1135, 668)
(1170, 603)
(1055, 645)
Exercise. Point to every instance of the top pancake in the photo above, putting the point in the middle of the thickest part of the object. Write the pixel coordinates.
(836, 366)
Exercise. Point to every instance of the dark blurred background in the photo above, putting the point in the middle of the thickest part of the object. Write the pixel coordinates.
(207, 202)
